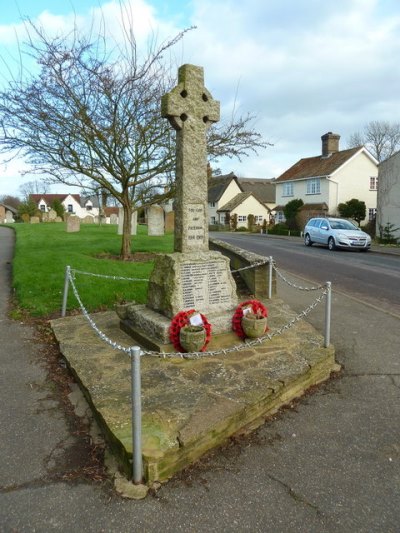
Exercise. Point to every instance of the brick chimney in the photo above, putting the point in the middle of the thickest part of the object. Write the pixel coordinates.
(330, 143)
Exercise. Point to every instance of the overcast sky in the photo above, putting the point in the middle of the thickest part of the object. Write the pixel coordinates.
(303, 67)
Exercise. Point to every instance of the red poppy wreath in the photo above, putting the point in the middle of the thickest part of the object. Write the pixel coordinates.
(182, 319)
(257, 308)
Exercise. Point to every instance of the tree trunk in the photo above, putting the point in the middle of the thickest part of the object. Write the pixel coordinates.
(126, 230)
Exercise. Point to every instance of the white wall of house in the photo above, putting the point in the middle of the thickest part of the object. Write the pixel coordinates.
(388, 204)
(299, 189)
(72, 206)
(351, 180)
(230, 192)
(250, 206)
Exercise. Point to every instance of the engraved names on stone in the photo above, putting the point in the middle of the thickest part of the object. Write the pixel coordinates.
(205, 285)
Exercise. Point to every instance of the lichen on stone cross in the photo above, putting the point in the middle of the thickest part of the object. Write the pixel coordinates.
(191, 110)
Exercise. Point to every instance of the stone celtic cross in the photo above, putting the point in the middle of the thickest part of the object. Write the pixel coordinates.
(191, 110)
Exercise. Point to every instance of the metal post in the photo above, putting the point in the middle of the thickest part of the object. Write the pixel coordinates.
(137, 467)
(66, 286)
(328, 304)
(270, 277)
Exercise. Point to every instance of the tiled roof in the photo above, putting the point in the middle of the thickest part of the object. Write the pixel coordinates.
(263, 189)
(49, 198)
(236, 200)
(108, 211)
(10, 208)
(218, 184)
(318, 166)
(322, 206)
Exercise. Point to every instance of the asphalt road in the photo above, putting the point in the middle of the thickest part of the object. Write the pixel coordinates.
(372, 277)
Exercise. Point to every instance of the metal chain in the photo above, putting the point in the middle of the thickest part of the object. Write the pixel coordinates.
(254, 265)
(299, 287)
(74, 271)
(194, 355)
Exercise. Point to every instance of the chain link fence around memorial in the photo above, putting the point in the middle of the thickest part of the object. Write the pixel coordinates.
(71, 273)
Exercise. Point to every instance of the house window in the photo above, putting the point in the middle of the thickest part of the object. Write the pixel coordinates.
(279, 217)
(314, 186)
(371, 213)
(242, 218)
(373, 183)
(89, 207)
(213, 220)
(258, 218)
(211, 204)
(288, 189)
(42, 207)
(69, 208)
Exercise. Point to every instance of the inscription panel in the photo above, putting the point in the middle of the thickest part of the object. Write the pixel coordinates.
(195, 233)
(205, 285)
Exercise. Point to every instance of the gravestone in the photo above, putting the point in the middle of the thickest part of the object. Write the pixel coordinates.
(192, 276)
(88, 219)
(155, 220)
(121, 222)
(9, 217)
(113, 218)
(73, 224)
(52, 215)
(45, 216)
(169, 221)
(34, 220)
(58, 219)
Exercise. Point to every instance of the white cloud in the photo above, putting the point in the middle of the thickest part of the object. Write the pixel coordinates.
(303, 67)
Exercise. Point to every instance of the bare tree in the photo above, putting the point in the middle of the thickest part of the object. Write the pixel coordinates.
(381, 138)
(12, 201)
(91, 118)
(33, 187)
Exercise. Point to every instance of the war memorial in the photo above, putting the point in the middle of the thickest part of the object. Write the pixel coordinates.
(191, 402)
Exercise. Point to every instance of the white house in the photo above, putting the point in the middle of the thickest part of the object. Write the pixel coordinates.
(388, 207)
(334, 177)
(221, 189)
(73, 203)
(242, 205)
(229, 195)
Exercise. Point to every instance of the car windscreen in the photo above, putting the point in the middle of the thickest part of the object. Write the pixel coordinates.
(342, 224)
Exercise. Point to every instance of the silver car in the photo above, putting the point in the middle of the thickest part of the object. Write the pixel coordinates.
(336, 233)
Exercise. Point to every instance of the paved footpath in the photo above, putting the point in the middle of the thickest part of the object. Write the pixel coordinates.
(331, 463)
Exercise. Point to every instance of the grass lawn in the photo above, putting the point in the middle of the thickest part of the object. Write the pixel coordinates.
(44, 250)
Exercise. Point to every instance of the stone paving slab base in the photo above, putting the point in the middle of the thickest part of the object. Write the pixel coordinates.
(190, 405)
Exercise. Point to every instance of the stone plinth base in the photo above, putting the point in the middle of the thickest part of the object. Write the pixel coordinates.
(190, 405)
(151, 329)
(199, 280)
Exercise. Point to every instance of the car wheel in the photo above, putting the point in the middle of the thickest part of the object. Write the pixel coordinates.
(331, 244)
(307, 240)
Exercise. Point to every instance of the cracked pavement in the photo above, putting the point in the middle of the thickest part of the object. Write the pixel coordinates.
(329, 462)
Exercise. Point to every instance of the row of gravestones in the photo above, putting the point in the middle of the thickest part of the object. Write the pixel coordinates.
(158, 222)
(51, 216)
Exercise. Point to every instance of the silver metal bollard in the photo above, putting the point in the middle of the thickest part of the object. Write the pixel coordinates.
(136, 395)
(328, 304)
(65, 294)
(270, 270)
